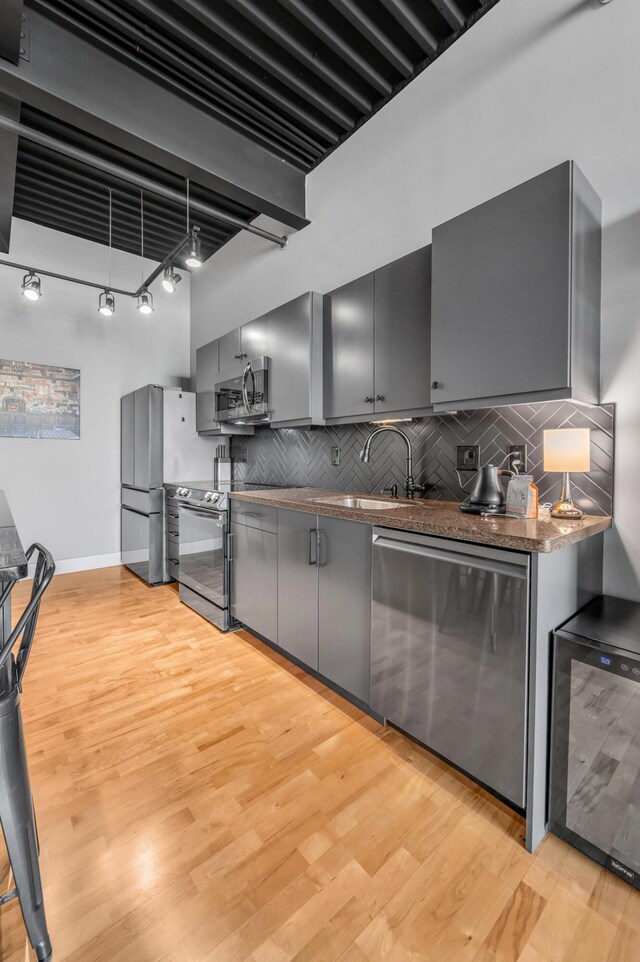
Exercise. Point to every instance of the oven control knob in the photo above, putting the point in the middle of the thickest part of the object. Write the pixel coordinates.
(179, 492)
(187, 493)
(207, 496)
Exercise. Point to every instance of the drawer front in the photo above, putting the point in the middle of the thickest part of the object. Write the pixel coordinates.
(172, 511)
(172, 536)
(255, 515)
(173, 548)
(148, 502)
(172, 525)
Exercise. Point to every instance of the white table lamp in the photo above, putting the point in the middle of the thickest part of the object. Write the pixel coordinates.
(565, 450)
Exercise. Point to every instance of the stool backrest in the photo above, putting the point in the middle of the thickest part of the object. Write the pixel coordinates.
(25, 627)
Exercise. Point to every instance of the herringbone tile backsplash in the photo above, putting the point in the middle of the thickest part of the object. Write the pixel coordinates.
(295, 457)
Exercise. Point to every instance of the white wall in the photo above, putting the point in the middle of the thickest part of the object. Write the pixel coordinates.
(535, 82)
(66, 494)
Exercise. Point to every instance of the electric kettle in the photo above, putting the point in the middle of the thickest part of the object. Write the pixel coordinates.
(488, 496)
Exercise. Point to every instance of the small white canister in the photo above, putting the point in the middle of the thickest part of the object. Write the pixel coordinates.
(522, 497)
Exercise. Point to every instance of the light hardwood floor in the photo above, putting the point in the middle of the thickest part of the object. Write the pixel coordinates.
(199, 800)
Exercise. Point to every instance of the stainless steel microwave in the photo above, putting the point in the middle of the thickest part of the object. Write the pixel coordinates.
(245, 399)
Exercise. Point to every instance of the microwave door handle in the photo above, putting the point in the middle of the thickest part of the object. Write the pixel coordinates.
(248, 371)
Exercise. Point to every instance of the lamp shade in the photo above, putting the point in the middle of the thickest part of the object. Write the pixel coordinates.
(567, 449)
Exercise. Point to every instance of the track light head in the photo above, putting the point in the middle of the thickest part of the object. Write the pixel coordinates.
(145, 302)
(31, 288)
(107, 303)
(193, 258)
(170, 279)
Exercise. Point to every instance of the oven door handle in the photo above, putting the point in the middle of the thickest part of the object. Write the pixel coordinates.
(245, 394)
(211, 513)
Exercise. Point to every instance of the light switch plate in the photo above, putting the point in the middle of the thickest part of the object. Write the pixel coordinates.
(467, 457)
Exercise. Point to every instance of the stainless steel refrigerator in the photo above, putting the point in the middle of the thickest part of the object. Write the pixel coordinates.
(159, 443)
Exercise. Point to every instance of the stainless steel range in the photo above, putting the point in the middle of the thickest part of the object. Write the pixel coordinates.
(203, 564)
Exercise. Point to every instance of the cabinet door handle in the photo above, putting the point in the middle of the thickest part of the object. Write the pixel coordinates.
(435, 385)
(368, 400)
(312, 561)
(319, 564)
(379, 397)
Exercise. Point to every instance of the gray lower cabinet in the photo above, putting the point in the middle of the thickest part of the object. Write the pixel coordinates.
(516, 296)
(344, 604)
(324, 596)
(298, 585)
(254, 589)
(308, 588)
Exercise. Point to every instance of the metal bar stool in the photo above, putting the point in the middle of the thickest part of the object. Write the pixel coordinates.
(17, 815)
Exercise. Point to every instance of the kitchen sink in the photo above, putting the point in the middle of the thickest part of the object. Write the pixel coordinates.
(369, 504)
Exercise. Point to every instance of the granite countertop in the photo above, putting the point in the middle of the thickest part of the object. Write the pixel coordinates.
(440, 518)
(13, 562)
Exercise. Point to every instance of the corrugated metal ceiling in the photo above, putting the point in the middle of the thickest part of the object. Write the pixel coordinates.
(296, 76)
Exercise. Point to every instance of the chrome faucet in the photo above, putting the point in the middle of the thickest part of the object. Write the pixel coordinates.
(410, 487)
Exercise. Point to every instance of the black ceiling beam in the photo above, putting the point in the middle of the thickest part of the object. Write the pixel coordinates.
(10, 29)
(8, 156)
(191, 77)
(84, 86)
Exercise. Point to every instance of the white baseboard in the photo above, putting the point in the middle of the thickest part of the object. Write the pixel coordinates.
(84, 564)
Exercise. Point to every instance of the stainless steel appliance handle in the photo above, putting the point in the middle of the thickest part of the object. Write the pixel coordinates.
(312, 561)
(452, 557)
(230, 546)
(245, 394)
(211, 513)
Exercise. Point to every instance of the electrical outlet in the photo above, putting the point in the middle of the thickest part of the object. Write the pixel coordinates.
(243, 456)
(519, 452)
(335, 456)
(467, 457)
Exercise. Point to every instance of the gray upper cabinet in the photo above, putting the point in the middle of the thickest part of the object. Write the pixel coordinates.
(295, 348)
(206, 376)
(229, 353)
(516, 296)
(254, 338)
(298, 586)
(348, 366)
(241, 345)
(377, 342)
(402, 329)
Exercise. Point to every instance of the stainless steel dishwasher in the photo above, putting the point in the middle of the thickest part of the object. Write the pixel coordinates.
(449, 651)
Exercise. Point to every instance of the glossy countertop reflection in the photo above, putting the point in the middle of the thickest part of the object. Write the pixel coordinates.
(440, 518)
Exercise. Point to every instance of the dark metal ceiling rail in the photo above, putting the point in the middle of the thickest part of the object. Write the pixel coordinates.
(167, 261)
(140, 180)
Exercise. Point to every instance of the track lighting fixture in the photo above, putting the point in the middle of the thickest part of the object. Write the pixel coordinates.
(194, 253)
(31, 286)
(170, 279)
(107, 303)
(145, 302)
